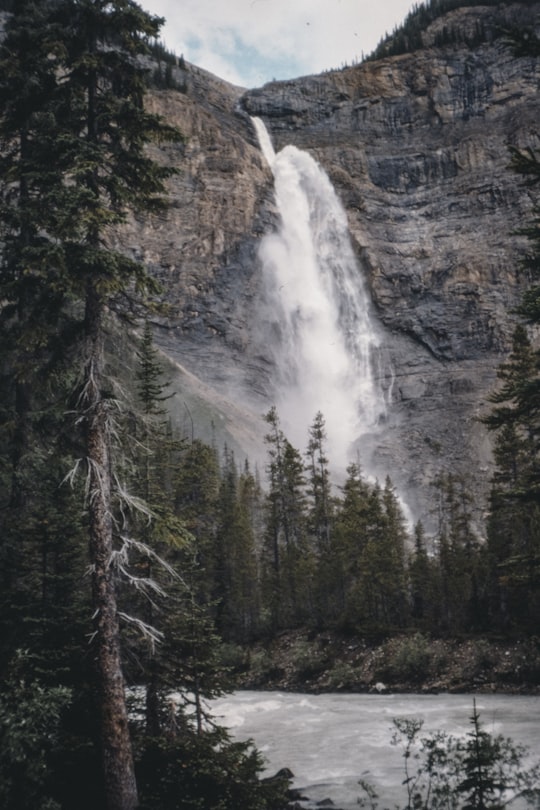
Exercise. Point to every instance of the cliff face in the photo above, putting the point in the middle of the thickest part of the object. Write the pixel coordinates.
(417, 149)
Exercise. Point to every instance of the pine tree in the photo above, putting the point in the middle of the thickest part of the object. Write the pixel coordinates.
(490, 773)
(481, 772)
(396, 537)
(90, 125)
(350, 539)
(480, 785)
(163, 540)
(236, 566)
(179, 485)
(382, 564)
(110, 171)
(461, 561)
(192, 640)
(422, 576)
(42, 559)
(287, 559)
(196, 486)
(29, 63)
(513, 528)
(320, 519)
(321, 522)
(250, 497)
(513, 533)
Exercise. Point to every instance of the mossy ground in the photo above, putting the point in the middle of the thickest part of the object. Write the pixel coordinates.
(303, 661)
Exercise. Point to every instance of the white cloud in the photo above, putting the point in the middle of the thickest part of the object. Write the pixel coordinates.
(249, 42)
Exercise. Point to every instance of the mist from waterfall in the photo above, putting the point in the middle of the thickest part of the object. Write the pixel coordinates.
(325, 346)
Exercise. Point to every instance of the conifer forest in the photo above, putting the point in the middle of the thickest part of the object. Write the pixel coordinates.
(132, 555)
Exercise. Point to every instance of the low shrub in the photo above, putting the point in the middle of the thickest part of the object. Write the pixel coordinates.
(205, 772)
(307, 659)
(406, 659)
(343, 675)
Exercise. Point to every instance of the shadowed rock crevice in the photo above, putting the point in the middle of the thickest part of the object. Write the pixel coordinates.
(417, 149)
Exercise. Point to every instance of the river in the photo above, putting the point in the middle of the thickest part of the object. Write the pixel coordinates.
(330, 741)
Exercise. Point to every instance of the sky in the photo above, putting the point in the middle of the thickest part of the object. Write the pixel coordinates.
(251, 42)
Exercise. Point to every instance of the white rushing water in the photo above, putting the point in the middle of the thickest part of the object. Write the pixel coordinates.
(331, 741)
(324, 342)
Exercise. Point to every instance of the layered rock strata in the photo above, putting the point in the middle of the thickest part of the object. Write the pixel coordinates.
(417, 149)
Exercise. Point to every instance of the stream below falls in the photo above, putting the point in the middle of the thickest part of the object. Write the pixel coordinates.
(331, 741)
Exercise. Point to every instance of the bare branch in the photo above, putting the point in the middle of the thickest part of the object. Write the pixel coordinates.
(153, 635)
(125, 498)
(70, 477)
(146, 551)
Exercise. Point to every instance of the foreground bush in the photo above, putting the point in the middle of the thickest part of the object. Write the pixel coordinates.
(443, 772)
(207, 771)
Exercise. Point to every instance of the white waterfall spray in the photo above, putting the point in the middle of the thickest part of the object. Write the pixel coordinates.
(324, 341)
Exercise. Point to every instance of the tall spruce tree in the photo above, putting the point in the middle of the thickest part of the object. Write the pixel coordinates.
(514, 521)
(30, 59)
(350, 539)
(321, 512)
(382, 562)
(109, 174)
(423, 577)
(287, 559)
(235, 573)
(461, 560)
(513, 529)
(165, 547)
(86, 130)
(321, 522)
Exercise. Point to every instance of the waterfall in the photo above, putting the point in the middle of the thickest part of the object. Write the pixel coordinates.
(324, 342)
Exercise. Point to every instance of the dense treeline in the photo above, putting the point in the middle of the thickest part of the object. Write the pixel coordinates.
(303, 552)
(99, 574)
(408, 36)
(131, 553)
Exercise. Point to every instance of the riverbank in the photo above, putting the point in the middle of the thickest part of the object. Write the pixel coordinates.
(333, 742)
(308, 662)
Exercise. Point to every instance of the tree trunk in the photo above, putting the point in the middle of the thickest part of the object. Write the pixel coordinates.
(119, 773)
(22, 388)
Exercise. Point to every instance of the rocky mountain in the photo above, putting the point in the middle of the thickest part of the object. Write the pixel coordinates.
(416, 146)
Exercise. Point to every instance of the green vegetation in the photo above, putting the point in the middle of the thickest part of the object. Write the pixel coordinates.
(99, 570)
(408, 36)
(513, 536)
(131, 554)
(409, 662)
(443, 772)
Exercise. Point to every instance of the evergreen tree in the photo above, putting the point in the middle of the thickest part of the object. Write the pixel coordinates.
(163, 541)
(382, 563)
(480, 785)
(236, 565)
(461, 561)
(513, 536)
(109, 172)
(276, 522)
(513, 528)
(90, 126)
(482, 772)
(321, 522)
(287, 560)
(196, 487)
(250, 498)
(423, 577)
(319, 488)
(29, 63)
(350, 539)
(30, 732)
(176, 481)
(396, 539)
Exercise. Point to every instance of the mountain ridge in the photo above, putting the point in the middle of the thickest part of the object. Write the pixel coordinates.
(416, 146)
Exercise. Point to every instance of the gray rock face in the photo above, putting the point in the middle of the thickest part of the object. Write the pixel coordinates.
(417, 149)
